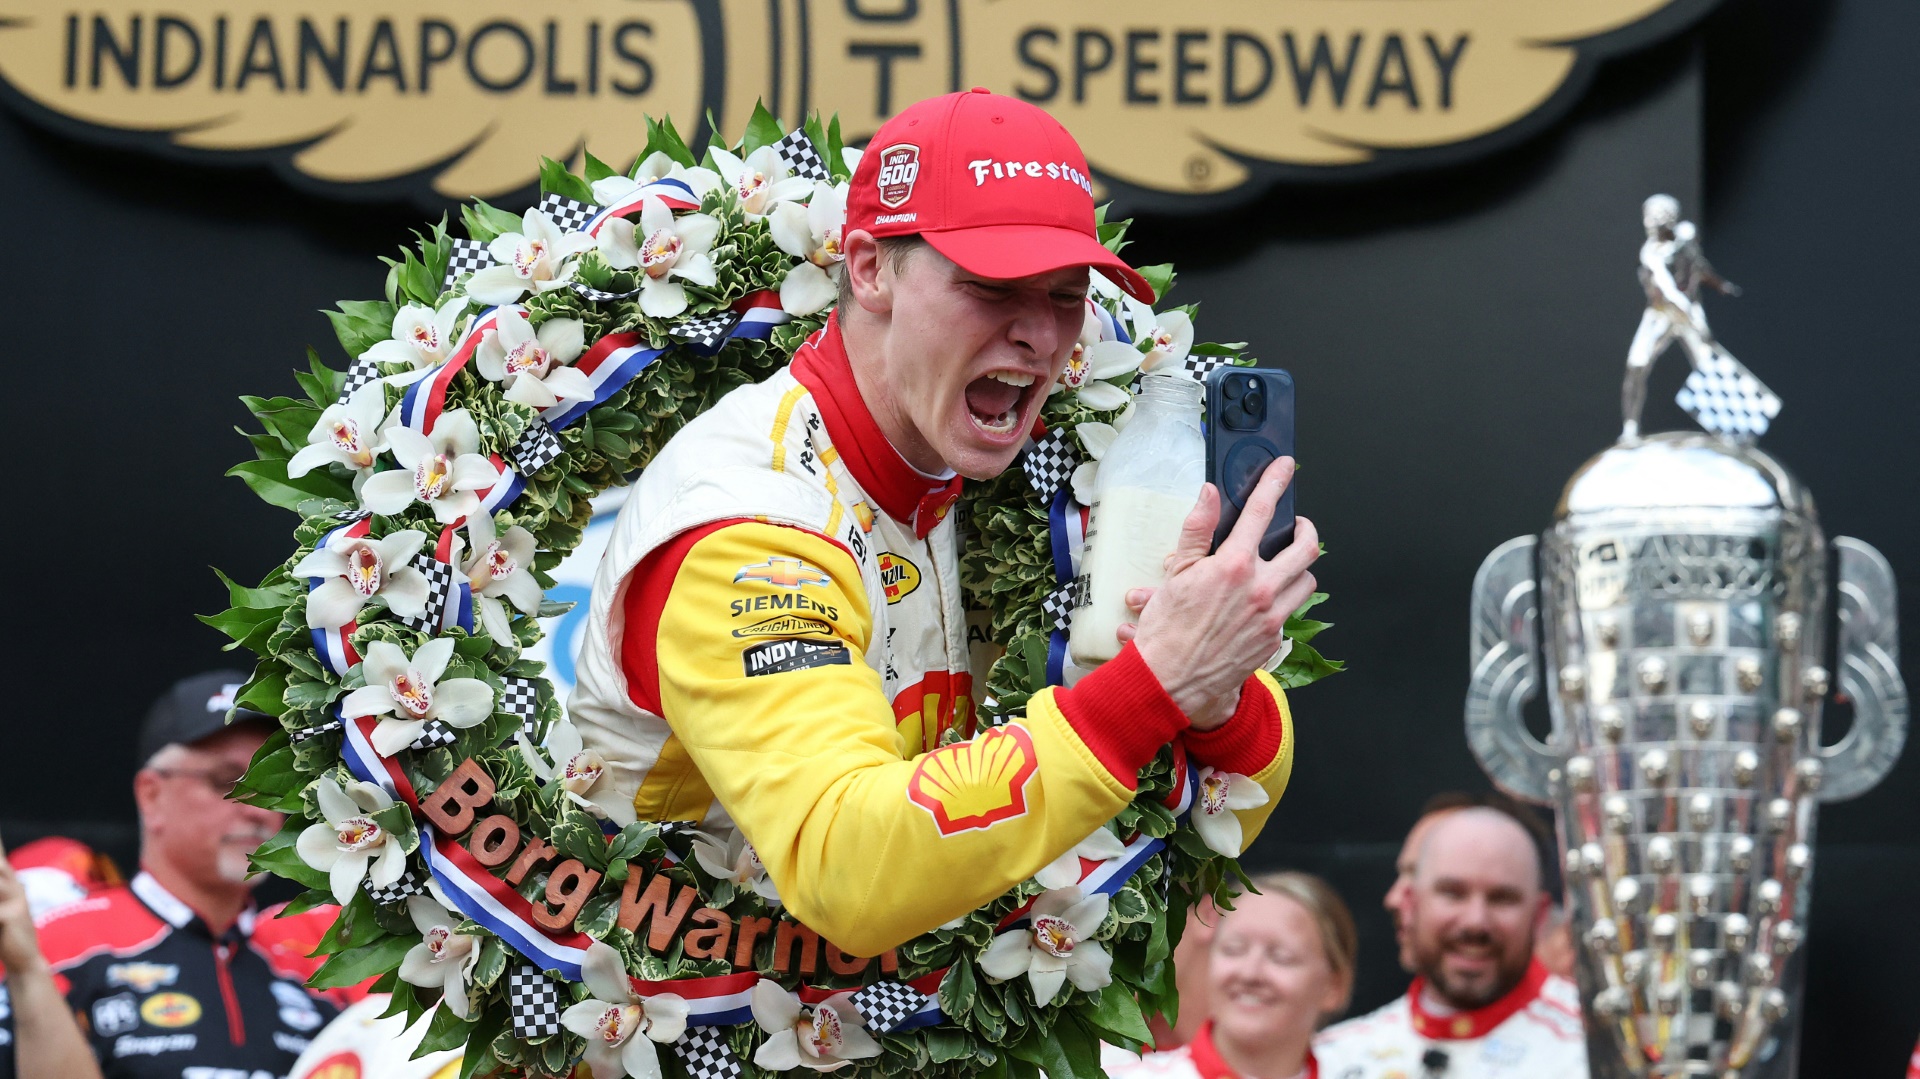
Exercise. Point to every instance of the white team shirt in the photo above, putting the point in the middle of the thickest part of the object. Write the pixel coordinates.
(1534, 1032)
(1198, 1059)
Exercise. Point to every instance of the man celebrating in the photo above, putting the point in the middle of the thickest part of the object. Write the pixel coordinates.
(177, 972)
(777, 642)
(1480, 1004)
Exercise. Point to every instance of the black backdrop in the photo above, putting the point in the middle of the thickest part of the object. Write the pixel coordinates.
(1457, 338)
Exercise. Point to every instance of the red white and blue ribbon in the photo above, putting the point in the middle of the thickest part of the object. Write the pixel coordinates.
(759, 314)
(609, 365)
(449, 591)
(425, 399)
(335, 646)
(1110, 328)
(508, 488)
(677, 194)
(1067, 535)
(474, 891)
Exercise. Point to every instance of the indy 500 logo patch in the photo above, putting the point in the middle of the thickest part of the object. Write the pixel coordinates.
(899, 168)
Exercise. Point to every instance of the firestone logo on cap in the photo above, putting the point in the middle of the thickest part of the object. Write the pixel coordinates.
(899, 168)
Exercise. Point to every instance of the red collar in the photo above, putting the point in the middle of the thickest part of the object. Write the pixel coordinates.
(1208, 1062)
(1480, 1022)
(821, 365)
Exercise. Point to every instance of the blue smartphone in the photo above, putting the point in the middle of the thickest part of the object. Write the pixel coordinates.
(1249, 424)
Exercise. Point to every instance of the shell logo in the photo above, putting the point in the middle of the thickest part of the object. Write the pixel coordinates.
(341, 1065)
(977, 784)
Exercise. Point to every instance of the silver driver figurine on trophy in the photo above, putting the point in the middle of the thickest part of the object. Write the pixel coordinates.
(1682, 599)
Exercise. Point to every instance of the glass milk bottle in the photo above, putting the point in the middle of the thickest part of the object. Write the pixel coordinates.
(1148, 482)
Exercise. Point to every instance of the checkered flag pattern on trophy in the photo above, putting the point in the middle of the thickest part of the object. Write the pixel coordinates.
(1725, 398)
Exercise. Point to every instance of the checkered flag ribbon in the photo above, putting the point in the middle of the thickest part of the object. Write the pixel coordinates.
(353, 515)
(885, 1005)
(598, 295)
(519, 698)
(409, 884)
(1059, 605)
(1197, 367)
(706, 1054)
(570, 215)
(1725, 398)
(534, 1001)
(797, 150)
(435, 735)
(439, 592)
(705, 332)
(536, 448)
(465, 257)
(305, 733)
(1050, 462)
(359, 374)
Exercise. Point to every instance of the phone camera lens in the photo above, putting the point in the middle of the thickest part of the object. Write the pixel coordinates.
(1233, 389)
(1255, 403)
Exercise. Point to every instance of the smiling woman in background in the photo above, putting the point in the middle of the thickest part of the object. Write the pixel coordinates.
(1280, 967)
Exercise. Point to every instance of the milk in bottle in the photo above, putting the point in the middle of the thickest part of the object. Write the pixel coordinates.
(1148, 482)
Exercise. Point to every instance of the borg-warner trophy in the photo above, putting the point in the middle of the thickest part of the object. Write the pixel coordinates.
(1682, 598)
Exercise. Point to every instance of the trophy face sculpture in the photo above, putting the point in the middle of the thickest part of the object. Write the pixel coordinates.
(1681, 597)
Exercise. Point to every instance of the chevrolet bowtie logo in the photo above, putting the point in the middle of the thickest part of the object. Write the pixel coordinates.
(782, 573)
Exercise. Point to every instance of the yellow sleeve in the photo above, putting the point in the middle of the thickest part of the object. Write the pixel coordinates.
(764, 681)
(1257, 743)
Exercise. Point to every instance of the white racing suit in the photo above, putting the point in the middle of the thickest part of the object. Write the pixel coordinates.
(1534, 1032)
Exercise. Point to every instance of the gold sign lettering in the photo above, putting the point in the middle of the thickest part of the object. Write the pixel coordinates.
(463, 99)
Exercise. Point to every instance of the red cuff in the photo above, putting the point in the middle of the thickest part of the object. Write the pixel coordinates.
(1122, 714)
(1246, 743)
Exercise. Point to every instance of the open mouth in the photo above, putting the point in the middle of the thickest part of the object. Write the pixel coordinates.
(996, 401)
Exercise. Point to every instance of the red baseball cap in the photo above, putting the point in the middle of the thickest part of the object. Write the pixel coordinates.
(993, 183)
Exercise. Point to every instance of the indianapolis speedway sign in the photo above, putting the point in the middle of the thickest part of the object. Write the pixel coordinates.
(1178, 106)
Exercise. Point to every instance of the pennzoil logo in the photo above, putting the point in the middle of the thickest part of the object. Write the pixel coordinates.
(898, 576)
(460, 98)
(975, 785)
(170, 1010)
(782, 572)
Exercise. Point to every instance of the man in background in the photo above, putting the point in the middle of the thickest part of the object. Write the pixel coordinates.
(1480, 1005)
(1555, 945)
(177, 969)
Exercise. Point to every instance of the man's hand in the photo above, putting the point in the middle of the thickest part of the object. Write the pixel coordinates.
(19, 944)
(1221, 616)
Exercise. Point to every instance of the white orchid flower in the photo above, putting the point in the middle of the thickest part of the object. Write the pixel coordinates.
(851, 155)
(1094, 361)
(736, 862)
(407, 693)
(610, 190)
(347, 845)
(1095, 438)
(537, 258)
(422, 336)
(499, 568)
(1213, 809)
(762, 181)
(442, 470)
(1054, 949)
(578, 768)
(354, 569)
(1064, 871)
(823, 1036)
(443, 959)
(662, 247)
(347, 433)
(1168, 336)
(533, 365)
(621, 1026)
(811, 232)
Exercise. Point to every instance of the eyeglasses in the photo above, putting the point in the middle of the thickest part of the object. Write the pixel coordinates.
(220, 781)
